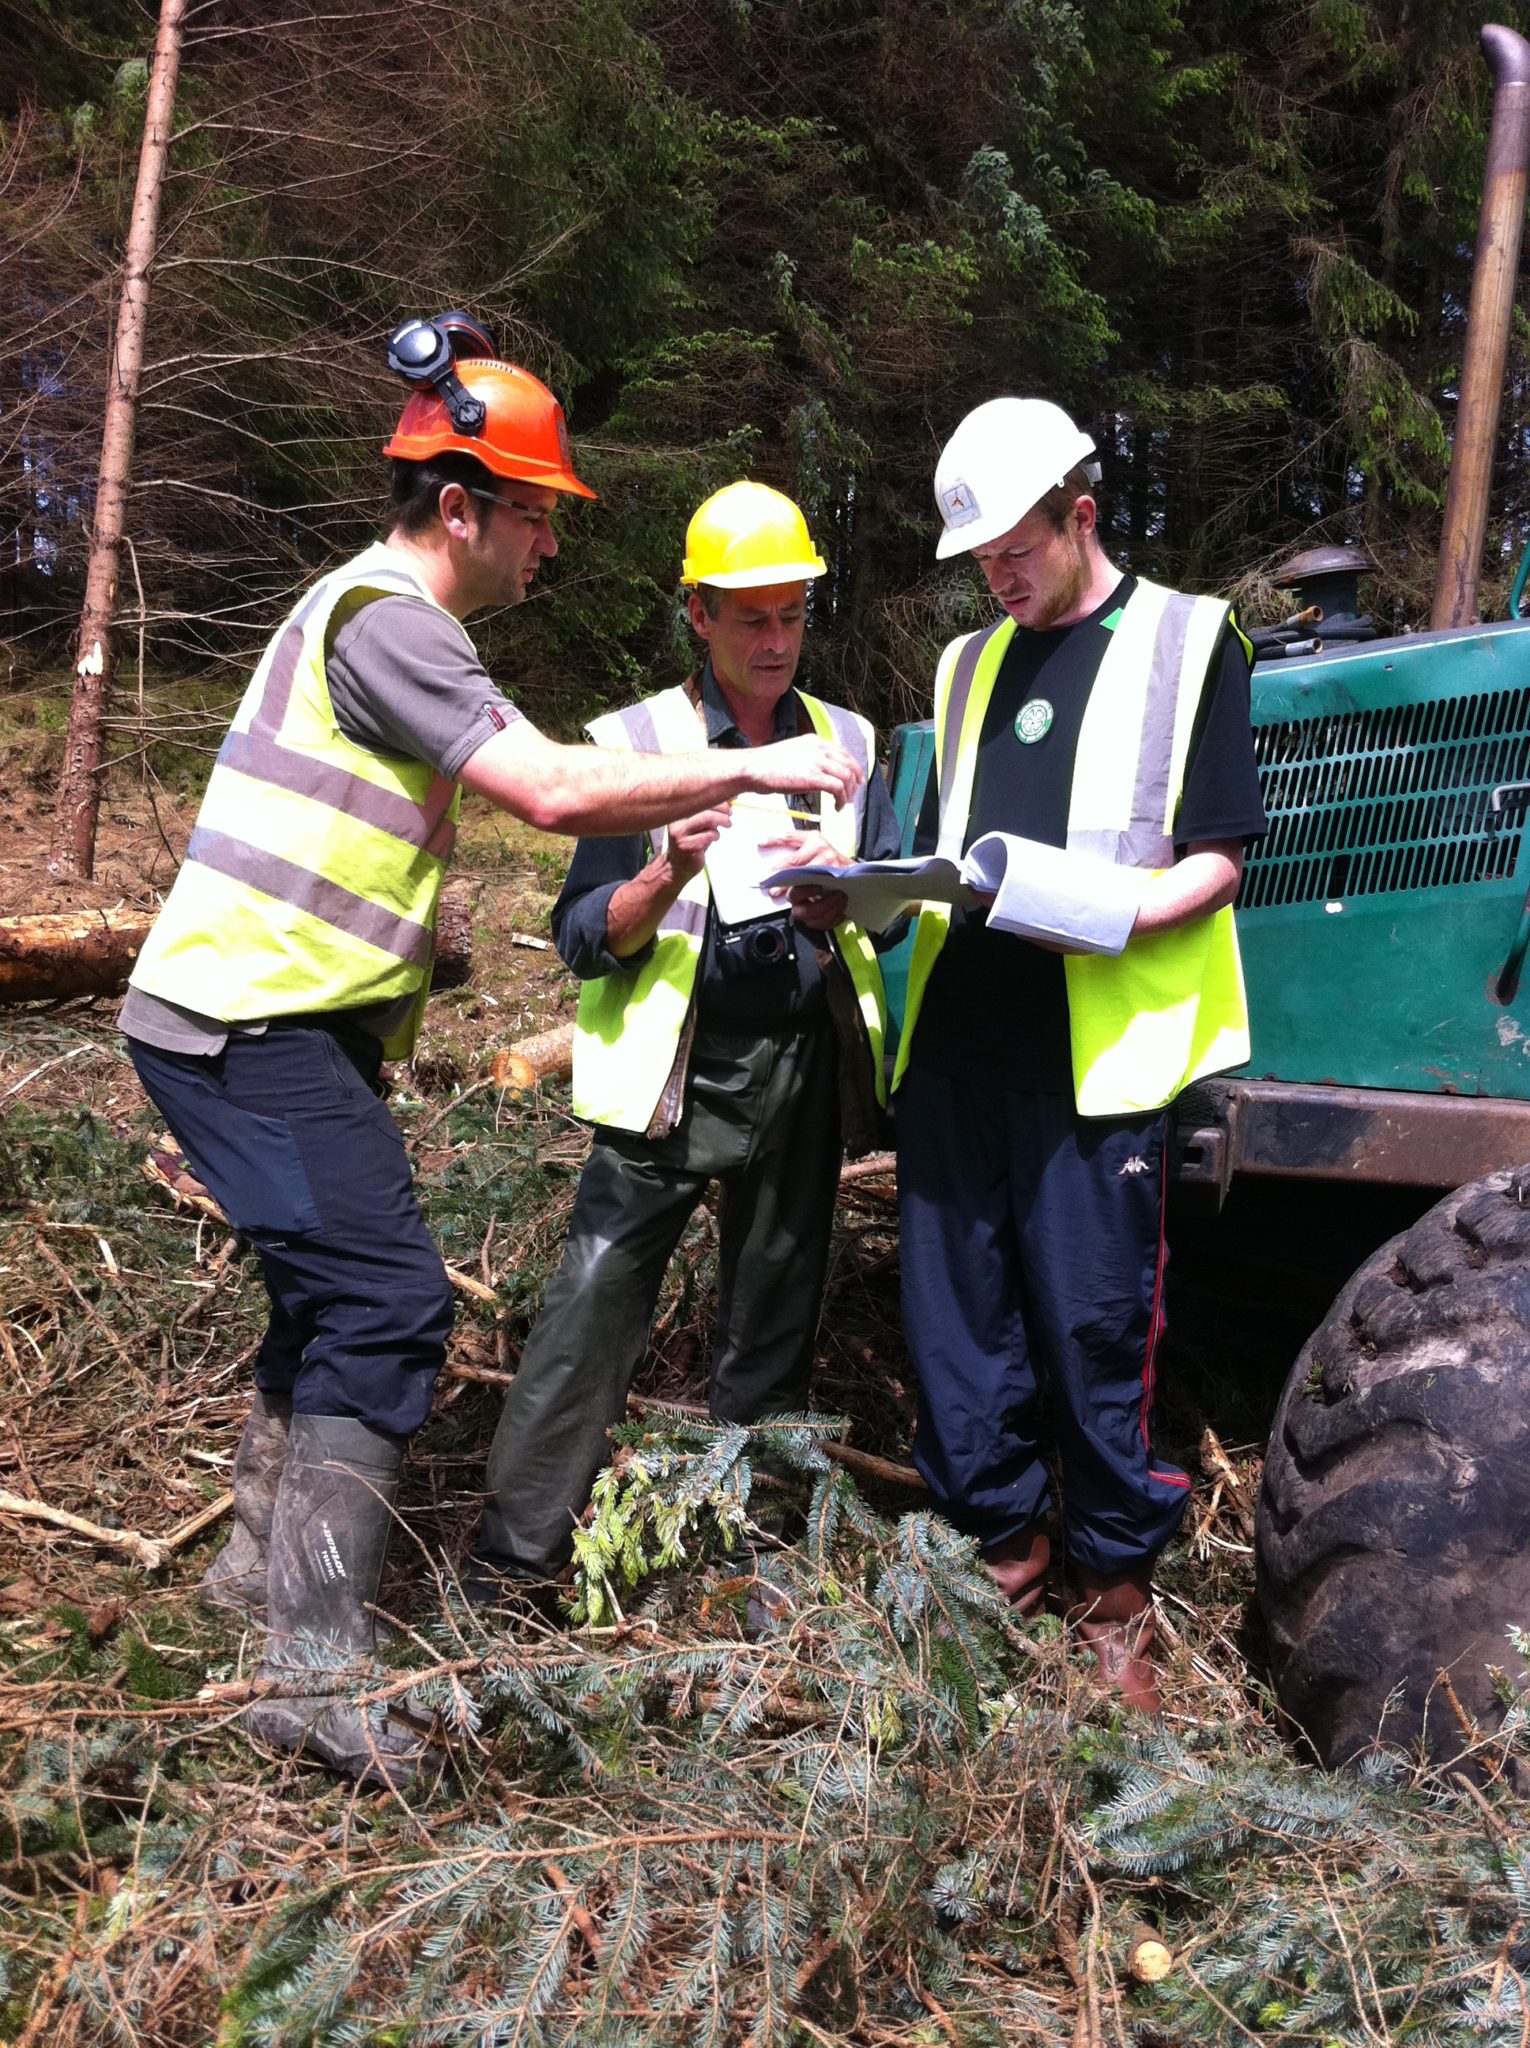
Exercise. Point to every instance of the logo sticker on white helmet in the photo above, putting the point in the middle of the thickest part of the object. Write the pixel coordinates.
(958, 505)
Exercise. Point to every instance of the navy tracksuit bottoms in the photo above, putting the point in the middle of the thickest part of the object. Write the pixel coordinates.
(288, 1132)
(1033, 1267)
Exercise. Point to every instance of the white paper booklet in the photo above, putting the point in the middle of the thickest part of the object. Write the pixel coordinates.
(881, 890)
(738, 861)
(1075, 900)
(1040, 892)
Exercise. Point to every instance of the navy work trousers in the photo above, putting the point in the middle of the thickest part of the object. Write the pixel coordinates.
(1033, 1266)
(288, 1133)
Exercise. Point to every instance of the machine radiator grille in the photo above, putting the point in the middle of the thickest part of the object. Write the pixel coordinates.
(1364, 803)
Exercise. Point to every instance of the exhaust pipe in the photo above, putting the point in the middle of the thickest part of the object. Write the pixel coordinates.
(1495, 270)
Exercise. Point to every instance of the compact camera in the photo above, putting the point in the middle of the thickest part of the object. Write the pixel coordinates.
(755, 947)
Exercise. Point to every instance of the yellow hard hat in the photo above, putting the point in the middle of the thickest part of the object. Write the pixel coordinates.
(745, 535)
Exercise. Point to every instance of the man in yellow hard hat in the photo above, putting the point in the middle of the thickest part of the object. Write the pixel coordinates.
(293, 955)
(709, 1046)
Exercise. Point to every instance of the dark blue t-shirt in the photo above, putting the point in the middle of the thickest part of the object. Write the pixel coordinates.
(996, 1008)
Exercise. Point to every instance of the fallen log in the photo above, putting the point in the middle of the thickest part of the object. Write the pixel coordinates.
(549, 1056)
(166, 1168)
(91, 952)
(875, 1166)
(1149, 1957)
(69, 953)
(466, 1284)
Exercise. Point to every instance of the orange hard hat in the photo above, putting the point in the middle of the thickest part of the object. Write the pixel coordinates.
(524, 435)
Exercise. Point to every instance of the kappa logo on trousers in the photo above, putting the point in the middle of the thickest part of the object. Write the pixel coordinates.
(1136, 1164)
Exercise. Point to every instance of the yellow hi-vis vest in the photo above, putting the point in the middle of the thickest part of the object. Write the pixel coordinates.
(313, 872)
(632, 1032)
(1145, 1022)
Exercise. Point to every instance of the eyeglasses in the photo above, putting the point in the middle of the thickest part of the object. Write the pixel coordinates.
(530, 513)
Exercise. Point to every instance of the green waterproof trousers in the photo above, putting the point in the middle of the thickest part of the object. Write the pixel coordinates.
(762, 1119)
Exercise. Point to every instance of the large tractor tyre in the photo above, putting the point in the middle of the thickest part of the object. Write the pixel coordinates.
(1393, 1537)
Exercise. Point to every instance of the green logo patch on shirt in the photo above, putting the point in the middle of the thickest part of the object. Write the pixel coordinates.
(1033, 721)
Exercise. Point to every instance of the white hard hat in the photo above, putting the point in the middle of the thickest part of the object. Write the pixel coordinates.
(1001, 461)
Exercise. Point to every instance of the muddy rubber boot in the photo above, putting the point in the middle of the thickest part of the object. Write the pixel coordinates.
(1019, 1569)
(236, 1578)
(1114, 1619)
(329, 1537)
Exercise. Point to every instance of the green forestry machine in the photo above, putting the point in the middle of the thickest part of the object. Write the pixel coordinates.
(1384, 925)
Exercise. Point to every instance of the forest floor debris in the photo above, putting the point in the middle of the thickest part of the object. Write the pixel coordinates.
(814, 1786)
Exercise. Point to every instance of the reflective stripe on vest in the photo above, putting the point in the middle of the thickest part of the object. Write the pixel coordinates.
(841, 826)
(312, 877)
(1171, 1007)
(630, 1025)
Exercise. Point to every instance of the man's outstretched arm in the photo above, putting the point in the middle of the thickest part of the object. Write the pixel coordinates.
(599, 791)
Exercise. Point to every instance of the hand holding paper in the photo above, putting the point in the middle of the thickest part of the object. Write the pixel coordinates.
(737, 862)
(817, 905)
(1045, 893)
(879, 891)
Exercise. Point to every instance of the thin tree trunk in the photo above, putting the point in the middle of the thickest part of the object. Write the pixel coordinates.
(73, 850)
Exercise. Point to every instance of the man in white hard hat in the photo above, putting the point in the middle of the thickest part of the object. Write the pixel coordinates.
(1109, 716)
(709, 1046)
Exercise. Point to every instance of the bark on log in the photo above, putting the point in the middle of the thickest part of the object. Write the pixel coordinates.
(91, 952)
(454, 940)
(69, 953)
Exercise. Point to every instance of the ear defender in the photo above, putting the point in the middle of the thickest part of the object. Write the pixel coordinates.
(425, 353)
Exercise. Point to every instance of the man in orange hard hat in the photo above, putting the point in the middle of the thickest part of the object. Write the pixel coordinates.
(293, 956)
(716, 1040)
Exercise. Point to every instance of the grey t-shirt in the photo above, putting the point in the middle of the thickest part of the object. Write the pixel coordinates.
(403, 679)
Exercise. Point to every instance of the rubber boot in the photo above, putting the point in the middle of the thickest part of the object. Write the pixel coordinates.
(1114, 1619)
(236, 1578)
(329, 1537)
(1019, 1568)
